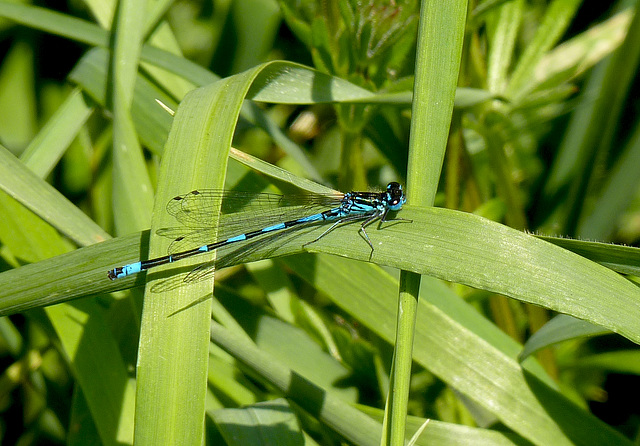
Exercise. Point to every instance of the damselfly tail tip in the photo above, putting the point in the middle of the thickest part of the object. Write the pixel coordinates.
(127, 270)
(114, 273)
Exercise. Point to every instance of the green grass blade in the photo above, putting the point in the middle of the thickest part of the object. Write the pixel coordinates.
(467, 249)
(574, 57)
(55, 23)
(618, 79)
(556, 19)
(341, 417)
(173, 354)
(503, 41)
(18, 108)
(152, 123)
(589, 133)
(622, 259)
(85, 338)
(46, 149)
(559, 329)
(91, 34)
(286, 343)
(621, 361)
(616, 194)
(451, 434)
(271, 422)
(132, 189)
(450, 245)
(69, 276)
(98, 366)
(462, 348)
(439, 49)
(42, 199)
(174, 342)
(255, 33)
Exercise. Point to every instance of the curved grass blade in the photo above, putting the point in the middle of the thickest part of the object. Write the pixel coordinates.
(453, 246)
(559, 329)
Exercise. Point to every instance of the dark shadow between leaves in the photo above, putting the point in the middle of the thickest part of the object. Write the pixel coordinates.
(578, 425)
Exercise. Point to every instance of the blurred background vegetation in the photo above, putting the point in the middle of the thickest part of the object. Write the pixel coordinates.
(555, 151)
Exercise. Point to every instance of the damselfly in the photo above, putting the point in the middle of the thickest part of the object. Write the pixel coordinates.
(195, 211)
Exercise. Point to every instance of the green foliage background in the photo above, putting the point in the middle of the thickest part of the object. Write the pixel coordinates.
(518, 338)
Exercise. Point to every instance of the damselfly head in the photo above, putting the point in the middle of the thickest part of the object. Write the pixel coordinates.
(395, 196)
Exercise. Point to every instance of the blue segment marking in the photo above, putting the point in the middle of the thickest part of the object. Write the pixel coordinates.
(237, 238)
(127, 270)
(352, 206)
(312, 218)
(274, 227)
